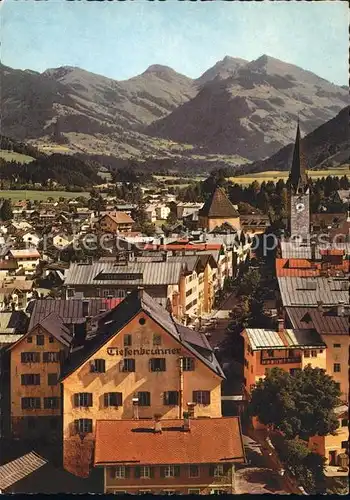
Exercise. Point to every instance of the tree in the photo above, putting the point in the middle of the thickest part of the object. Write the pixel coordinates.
(6, 210)
(299, 405)
(306, 465)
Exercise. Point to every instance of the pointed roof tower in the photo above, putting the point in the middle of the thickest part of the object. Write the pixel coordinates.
(218, 205)
(297, 176)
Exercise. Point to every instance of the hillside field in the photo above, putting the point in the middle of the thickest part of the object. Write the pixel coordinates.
(12, 156)
(276, 175)
(40, 195)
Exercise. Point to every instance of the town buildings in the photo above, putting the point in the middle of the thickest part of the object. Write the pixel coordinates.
(218, 210)
(115, 222)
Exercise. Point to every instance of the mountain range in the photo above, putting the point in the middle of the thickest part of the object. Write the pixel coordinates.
(238, 111)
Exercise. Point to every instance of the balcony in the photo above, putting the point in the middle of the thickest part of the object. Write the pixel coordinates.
(281, 361)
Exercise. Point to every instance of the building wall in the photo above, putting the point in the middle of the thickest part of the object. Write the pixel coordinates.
(212, 223)
(299, 220)
(205, 483)
(19, 416)
(109, 225)
(326, 444)
(338, 355)
(113, 380)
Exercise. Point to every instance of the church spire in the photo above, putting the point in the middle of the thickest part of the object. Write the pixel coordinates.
(297, 176)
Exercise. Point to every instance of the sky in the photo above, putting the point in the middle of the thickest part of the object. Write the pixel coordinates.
(120, 39)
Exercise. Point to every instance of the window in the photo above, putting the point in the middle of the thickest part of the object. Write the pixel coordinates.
(307, 353)
(83, 399)
(194, 491)
(201, 397)
(218, 470)
(127, 340)
(171, 398)
(51, 357)
(157, 364)
(29, 340)
(51, 339)
(143, 472)
(336, 367)
(193, 471)
(127, 365)
(337, 384)
(30, 379)
(157, 339)
(113, 399)
(270, 353)
(120, 472)
(188, 364)
(189, 292)
(170, 471)
(142, 321)
(336, 346)
(51, 403)
(345, 445)
(30, 403)
(83, 425)
(144, 398)
(290, 353)
(344, 422)
(98, 365)
(52, 378)
(40, 339)
(30, 357)
(314, 354)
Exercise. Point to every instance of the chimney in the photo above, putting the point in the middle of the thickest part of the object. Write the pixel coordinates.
(341, 308)
(135, 408)
(85, 310)
(186, 423)
(157, 423)
(280, 324)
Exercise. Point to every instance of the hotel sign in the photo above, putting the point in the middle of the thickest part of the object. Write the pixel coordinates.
(115, 351)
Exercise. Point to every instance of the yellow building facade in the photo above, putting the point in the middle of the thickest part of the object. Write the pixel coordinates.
(35, 362)
(142, 370)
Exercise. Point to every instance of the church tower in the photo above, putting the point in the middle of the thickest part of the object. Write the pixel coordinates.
(299, 194)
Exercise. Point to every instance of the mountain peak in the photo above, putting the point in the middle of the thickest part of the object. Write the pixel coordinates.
(159, 69)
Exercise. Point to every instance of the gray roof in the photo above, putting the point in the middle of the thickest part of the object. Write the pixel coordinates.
(14, 471)
(114, 320)
(146, 273)
(344, 195)
(260, 339)
(324, 322)
(13, 322)
(330, 291)
(293, 250)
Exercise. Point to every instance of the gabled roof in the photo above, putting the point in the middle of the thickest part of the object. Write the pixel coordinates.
(119, 217)
(209, 441)
(116, 319)
(218, 205)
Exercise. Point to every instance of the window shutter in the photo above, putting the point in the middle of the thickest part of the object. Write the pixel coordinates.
(162, 472)
(207, 397)
(211, 470)
(150, 365)
(162, 364)
(177, 470)
(76, 425)
(151, 472)
(111, 472)
(132, 368)
(89, 399)
(127, 471)
(76, 400)
(119, 399)
(137, 472)
(106, 399)
(194, 396)
(103, 365)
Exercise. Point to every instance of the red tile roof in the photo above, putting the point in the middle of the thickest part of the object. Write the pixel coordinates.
(306, 268)
(210, 440)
